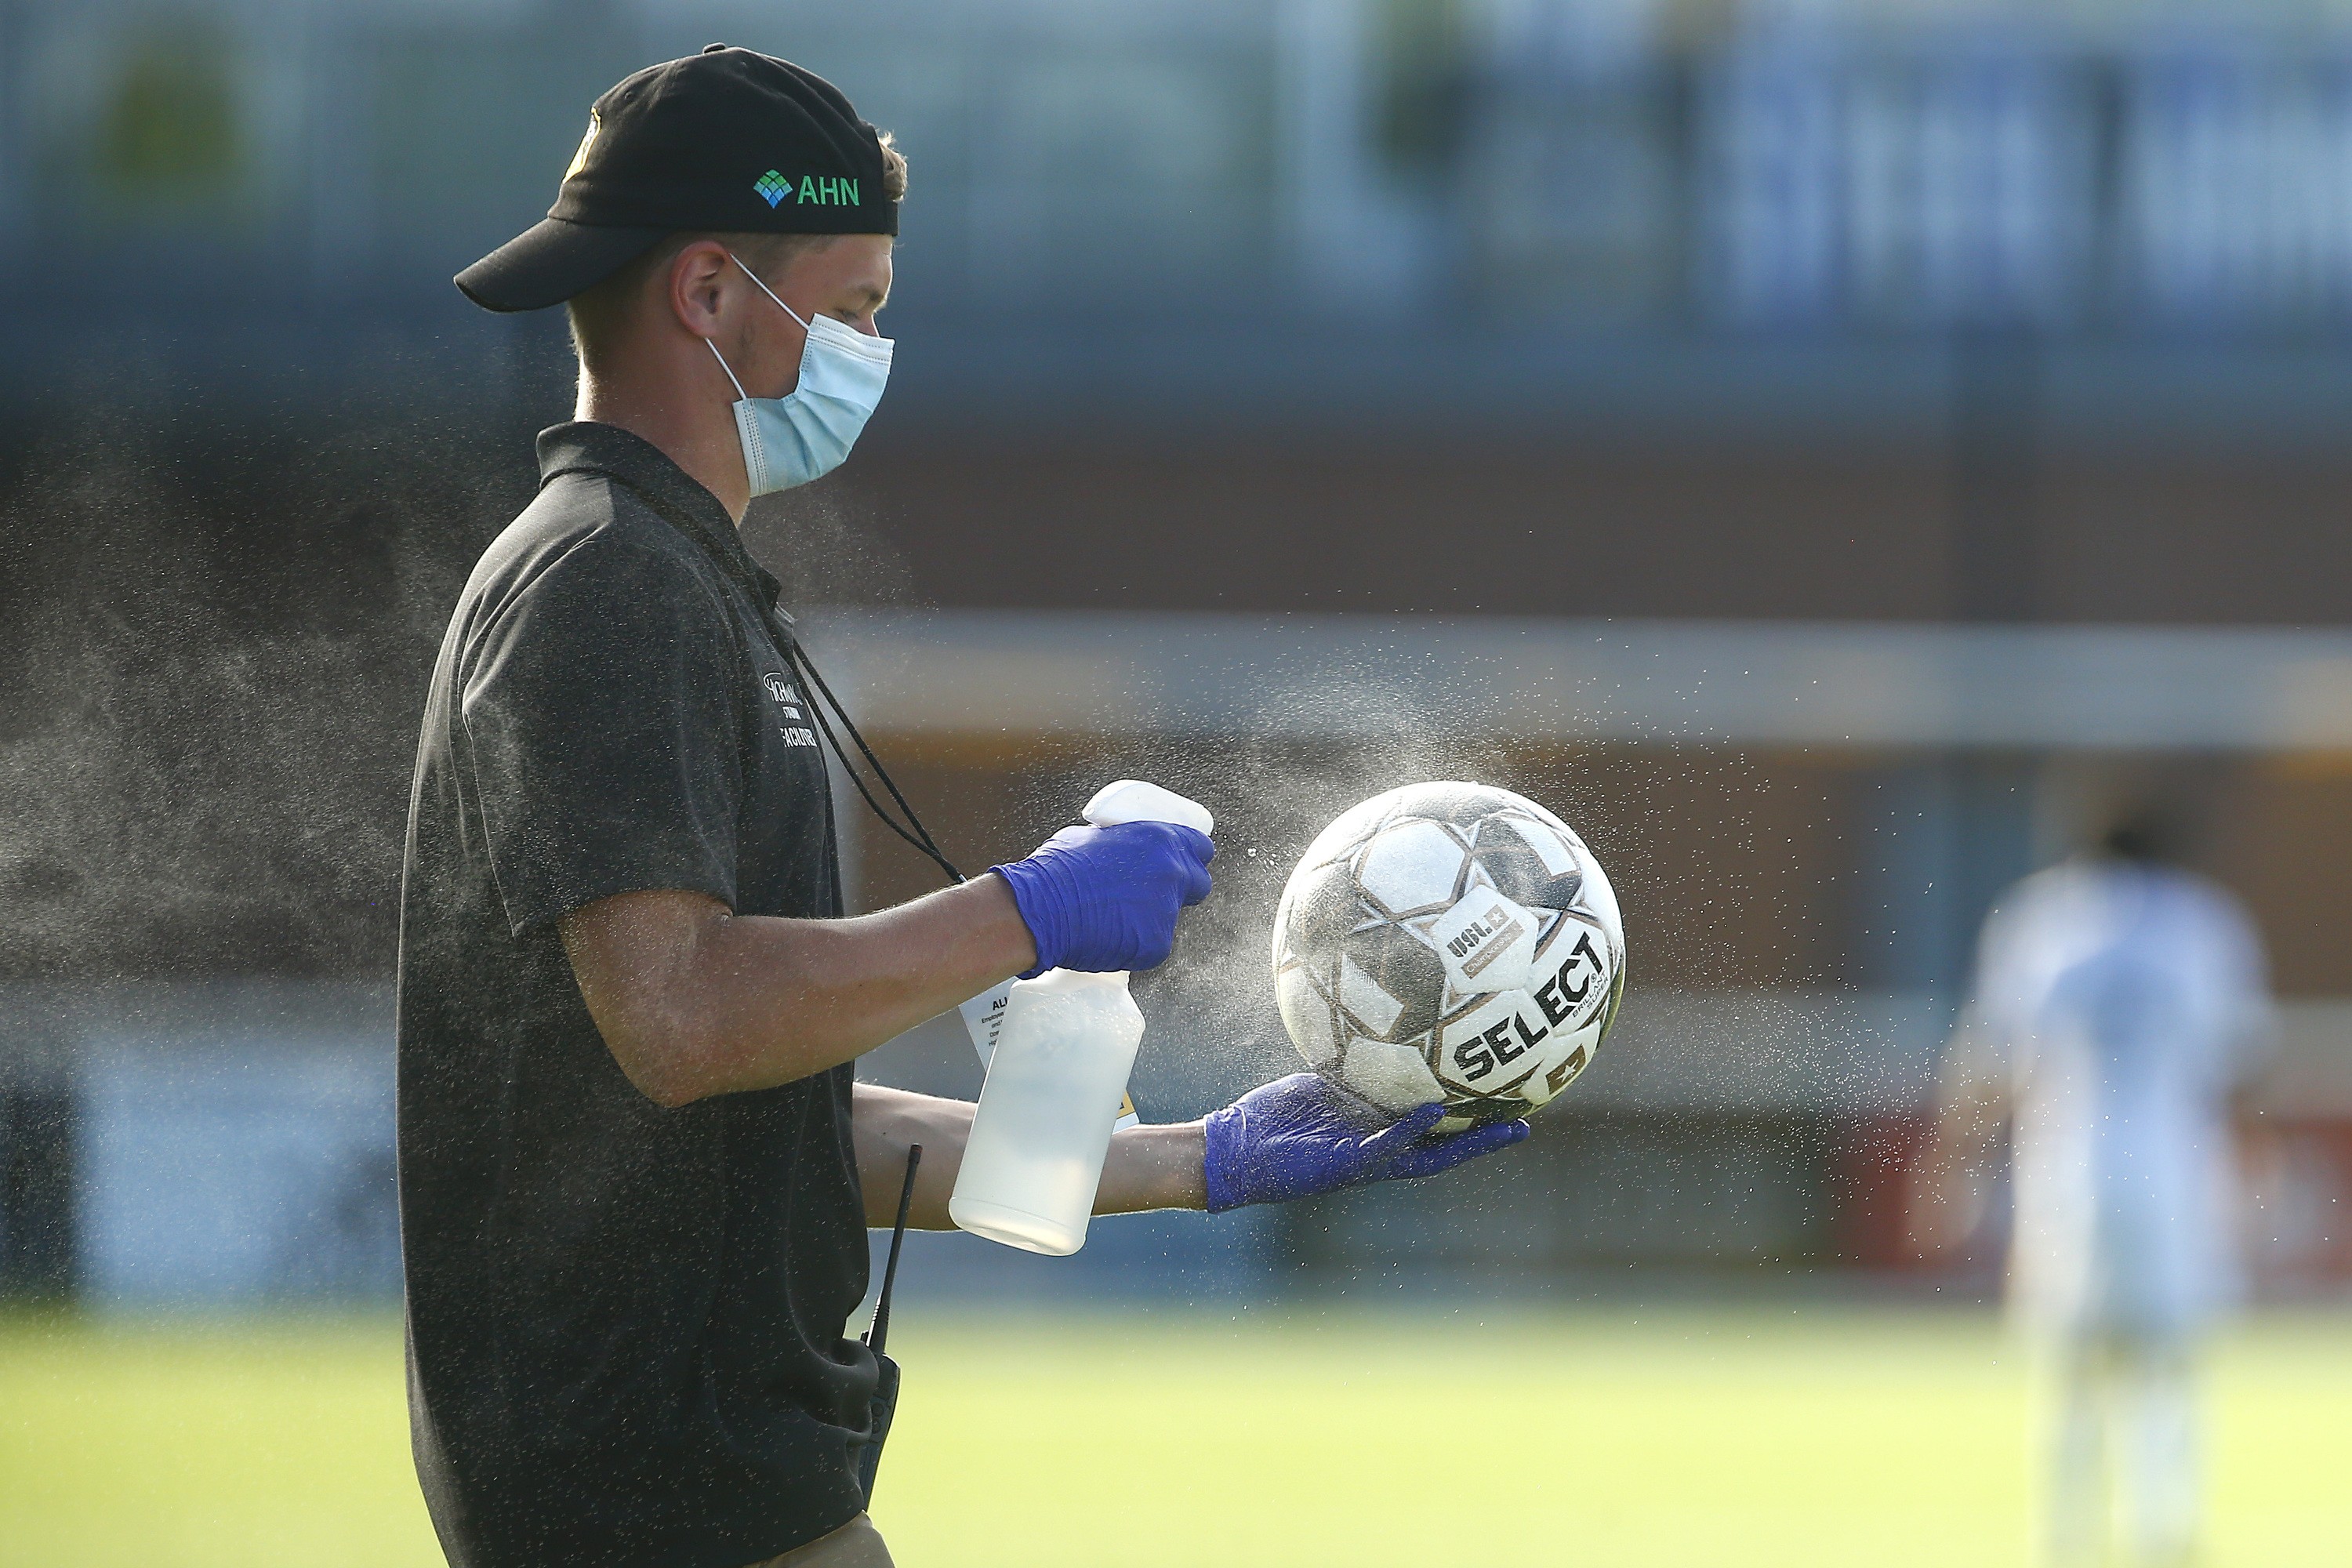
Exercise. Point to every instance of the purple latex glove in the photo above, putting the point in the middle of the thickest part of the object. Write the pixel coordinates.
(1101, 899)
(1300, 1135)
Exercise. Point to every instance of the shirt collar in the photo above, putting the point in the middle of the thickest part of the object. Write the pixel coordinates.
(585, 446)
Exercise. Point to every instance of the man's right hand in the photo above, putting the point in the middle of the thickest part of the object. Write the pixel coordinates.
(1103, 899)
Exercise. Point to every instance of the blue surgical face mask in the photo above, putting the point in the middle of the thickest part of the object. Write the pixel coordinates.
(806, 434)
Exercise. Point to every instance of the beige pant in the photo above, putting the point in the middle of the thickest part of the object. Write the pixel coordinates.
(856, 1544)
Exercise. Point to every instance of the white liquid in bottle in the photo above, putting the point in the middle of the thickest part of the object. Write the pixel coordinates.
(1058, 1049)
(1044, 1125)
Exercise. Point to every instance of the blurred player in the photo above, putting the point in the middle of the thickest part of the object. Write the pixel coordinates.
(2119, 1002)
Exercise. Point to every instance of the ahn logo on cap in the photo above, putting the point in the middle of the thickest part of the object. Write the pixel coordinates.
(814, 191)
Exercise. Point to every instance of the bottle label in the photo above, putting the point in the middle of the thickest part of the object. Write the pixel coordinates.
(984, 1019)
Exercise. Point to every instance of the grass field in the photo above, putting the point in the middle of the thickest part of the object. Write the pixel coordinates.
(1702, 1438)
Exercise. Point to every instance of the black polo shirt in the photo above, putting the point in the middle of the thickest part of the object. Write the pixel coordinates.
(625, 1323)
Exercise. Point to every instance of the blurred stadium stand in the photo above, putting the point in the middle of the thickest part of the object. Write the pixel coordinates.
(295, 182)
(1819, 448)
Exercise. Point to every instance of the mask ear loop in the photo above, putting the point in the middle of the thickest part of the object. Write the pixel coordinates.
(741, 396)
(771, 293)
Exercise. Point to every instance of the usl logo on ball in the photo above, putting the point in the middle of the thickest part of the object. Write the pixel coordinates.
(1449, 941)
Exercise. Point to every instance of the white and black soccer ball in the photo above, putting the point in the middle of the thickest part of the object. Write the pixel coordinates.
(1449, 941)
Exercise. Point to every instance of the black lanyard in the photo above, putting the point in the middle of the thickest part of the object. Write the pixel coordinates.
(739, 567)
(912, 831)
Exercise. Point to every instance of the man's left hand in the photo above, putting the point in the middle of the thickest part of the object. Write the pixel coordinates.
(1301, 1135)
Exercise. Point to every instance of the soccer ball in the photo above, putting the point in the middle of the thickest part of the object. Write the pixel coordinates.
(1449, 941)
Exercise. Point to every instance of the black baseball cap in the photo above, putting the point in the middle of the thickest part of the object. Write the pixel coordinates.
(730, 140)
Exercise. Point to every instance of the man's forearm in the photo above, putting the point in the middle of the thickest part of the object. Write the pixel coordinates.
(1147, 1167)
(695, 1001)
(884, 1122)
(1154, 1168)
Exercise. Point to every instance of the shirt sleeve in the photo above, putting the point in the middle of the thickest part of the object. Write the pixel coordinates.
(600, 716)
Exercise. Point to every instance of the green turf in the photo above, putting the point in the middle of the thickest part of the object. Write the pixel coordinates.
(1766, 1437)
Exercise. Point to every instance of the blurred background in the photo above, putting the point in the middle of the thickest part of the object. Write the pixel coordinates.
(1829, 452)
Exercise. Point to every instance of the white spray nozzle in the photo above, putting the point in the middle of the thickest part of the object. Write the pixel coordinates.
(1134, 800)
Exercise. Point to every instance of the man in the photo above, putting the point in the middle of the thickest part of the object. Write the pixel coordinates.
(636, 1169)
(2118, 1005)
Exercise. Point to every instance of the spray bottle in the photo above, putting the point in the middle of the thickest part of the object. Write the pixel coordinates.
(1058, 1051)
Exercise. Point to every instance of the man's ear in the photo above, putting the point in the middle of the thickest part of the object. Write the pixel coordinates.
(695, 278)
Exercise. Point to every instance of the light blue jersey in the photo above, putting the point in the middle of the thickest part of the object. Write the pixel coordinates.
(2127, 1002)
